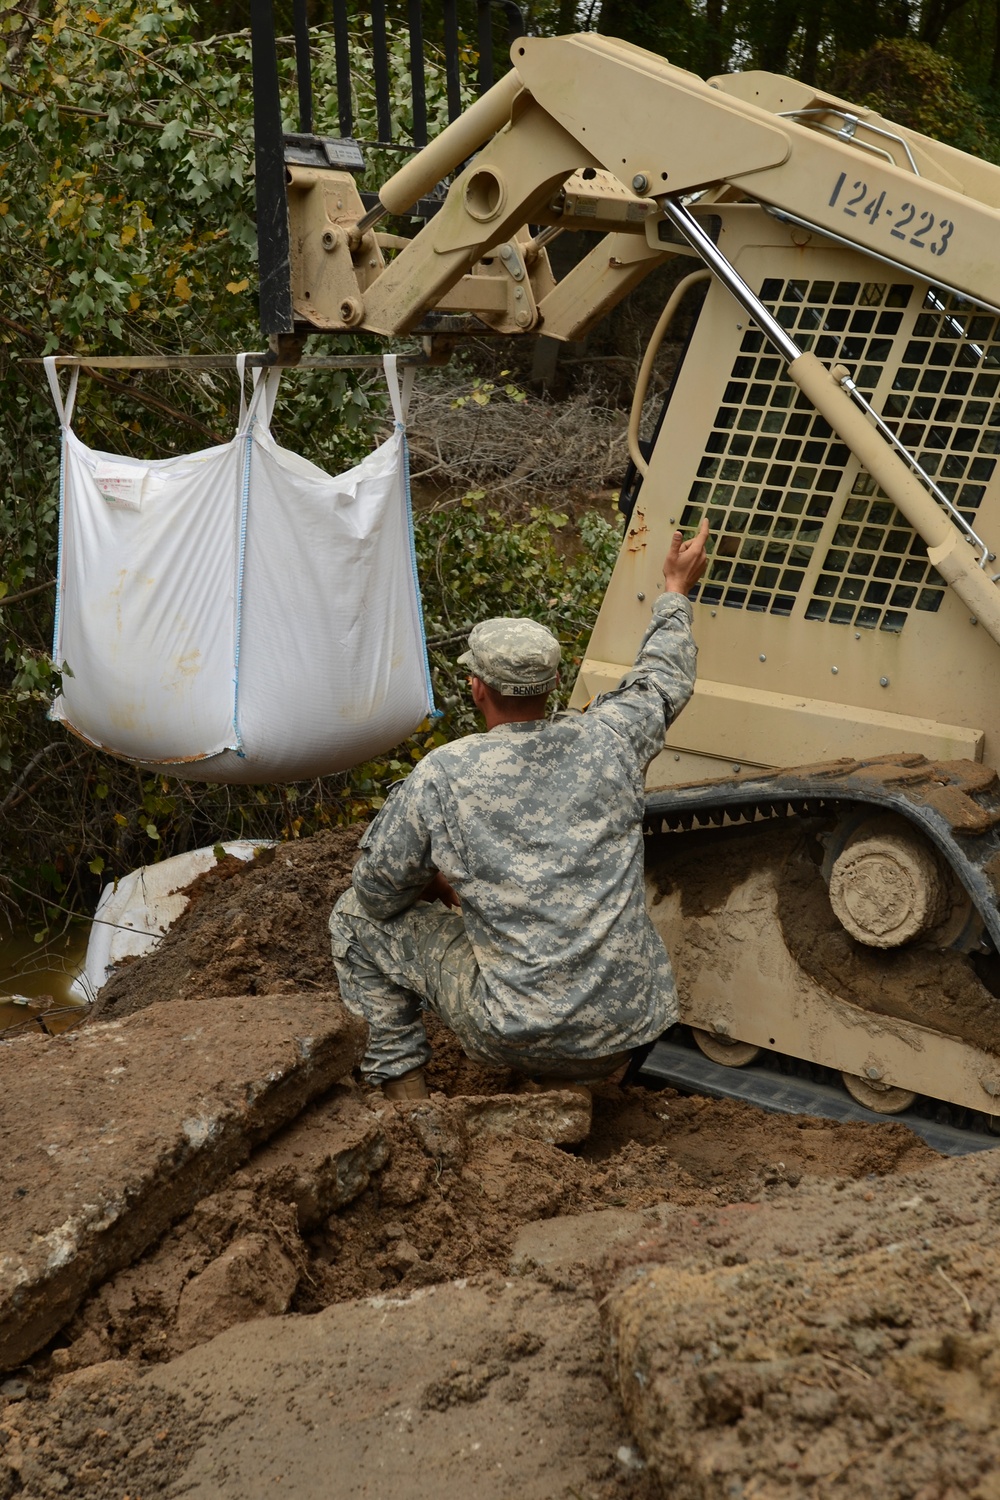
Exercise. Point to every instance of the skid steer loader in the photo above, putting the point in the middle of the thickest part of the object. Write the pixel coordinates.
(824, 820)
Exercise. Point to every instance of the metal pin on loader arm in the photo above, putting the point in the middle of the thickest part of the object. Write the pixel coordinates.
(947, 545)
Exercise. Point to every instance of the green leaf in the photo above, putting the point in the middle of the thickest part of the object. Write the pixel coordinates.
(172, 134)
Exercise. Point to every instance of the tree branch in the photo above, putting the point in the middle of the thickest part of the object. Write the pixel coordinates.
(37, 588)
(155, 403)
(8, 801)
(102, 114)
(19, 328)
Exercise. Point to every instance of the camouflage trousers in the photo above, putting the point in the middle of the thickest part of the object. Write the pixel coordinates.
(391, 970)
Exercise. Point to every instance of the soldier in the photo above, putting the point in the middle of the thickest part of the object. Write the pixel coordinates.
(501, 885)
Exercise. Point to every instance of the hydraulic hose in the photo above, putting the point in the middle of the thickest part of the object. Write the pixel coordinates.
(646, 368)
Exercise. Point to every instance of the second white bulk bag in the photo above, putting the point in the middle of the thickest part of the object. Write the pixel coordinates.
(239, 615)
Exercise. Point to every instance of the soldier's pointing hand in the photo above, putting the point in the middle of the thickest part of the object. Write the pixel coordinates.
(686, 561)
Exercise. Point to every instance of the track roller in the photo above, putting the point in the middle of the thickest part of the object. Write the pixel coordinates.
(723, 1049)
(883, 1098)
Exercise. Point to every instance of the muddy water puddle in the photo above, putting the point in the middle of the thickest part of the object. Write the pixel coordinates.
(36, 980)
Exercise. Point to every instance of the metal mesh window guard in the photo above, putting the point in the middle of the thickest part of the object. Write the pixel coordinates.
(773, 473)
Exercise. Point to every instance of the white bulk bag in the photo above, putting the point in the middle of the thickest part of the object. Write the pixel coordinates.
(237, 614)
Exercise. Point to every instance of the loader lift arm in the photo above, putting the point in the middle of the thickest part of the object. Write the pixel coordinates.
(621, 130)
(548, 155)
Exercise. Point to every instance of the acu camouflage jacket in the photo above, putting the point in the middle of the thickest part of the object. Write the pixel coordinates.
(538, 826)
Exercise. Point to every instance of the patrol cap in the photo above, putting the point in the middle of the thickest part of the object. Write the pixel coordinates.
(517, 658)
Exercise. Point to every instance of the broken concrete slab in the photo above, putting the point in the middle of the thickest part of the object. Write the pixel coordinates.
(323, 1160)
(444, 1127)
(114, 1131)
(571, 1240)
(139, 1307)
(183, 1290)
(461, 1389)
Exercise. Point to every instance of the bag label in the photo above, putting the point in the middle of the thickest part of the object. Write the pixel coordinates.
(121, 484)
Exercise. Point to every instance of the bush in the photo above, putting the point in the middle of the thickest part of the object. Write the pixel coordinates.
(908, 82)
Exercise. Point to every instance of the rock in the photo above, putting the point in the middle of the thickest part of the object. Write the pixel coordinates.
(323, 1160)
(252, 1279)
(86, 1350)
(110, 1375)
(559, 1117)
(730, 1374)
(402, 1256)
(114, 1131)
(581, 1239)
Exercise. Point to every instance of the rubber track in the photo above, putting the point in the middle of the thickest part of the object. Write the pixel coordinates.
(691, 1072)
(956, 804)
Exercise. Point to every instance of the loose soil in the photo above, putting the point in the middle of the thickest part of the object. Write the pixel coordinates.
(101, 1411)
(256, 928)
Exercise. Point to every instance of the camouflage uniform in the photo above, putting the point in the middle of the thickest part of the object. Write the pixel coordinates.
(553, 961)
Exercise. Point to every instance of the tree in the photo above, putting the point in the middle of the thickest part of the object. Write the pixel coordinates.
(812, 39)
(908, 82)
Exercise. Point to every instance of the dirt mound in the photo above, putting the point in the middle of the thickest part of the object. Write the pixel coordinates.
(256, 928)
(427, 1218)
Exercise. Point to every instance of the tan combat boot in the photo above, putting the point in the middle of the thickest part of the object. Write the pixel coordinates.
(411, 1085)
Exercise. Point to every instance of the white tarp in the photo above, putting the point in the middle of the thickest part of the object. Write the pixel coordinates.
(134, 912)
(237, 614)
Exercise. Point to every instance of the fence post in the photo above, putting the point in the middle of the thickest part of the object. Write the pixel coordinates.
(272, 206)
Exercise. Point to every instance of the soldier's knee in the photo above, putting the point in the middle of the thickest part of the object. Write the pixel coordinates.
(342, 920)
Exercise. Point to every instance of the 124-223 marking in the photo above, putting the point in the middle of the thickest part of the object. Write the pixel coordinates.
(876, 207)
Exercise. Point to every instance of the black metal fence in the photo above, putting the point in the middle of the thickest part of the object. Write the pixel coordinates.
(446, 16)
(496, 21)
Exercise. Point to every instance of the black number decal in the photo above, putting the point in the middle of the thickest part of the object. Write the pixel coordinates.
(856, 199)
(925, 229)
(947, 230)
(874, 208)
(836, 192)
(897, 233)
